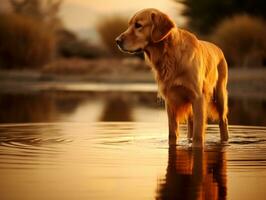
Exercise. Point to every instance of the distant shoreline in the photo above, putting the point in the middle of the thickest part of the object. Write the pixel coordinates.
(243, 83)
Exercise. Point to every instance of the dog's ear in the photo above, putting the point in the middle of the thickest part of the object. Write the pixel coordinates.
(161, 27)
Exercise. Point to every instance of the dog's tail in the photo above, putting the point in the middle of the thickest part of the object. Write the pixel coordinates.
(213, 113)
(218, 105)
(183, 112)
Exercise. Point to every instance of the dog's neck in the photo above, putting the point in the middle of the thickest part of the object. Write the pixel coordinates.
(158, 53)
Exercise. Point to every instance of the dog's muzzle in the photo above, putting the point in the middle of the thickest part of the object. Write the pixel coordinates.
(119, 41)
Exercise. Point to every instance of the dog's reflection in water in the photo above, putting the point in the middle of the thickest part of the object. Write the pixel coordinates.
(194, 175)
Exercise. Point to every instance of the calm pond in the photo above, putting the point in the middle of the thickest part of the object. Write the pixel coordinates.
(113, 145)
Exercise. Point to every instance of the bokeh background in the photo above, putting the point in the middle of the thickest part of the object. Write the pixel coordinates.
(58, 57)
(81, 120)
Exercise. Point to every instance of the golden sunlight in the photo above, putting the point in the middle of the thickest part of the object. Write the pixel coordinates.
(81, 14)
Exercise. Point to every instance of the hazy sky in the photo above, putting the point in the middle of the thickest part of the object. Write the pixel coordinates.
(83, 14)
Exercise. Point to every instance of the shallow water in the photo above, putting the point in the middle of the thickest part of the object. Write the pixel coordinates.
(128, 160)
(113, 145)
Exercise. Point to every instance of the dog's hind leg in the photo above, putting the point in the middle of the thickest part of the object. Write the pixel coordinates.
(221, 99)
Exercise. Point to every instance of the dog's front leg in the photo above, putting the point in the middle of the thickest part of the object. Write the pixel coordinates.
(199, 120)
(172, 124)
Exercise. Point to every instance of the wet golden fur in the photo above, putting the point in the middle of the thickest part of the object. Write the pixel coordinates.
(191, 74)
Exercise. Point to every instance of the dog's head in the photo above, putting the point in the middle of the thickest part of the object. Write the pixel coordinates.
(145, 27)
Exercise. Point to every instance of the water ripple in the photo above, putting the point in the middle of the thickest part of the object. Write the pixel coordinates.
(28, 145)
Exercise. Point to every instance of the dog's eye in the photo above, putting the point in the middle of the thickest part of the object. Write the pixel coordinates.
(138, 25)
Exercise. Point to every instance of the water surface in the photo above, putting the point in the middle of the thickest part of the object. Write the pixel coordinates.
(128, 160)
(113, 145)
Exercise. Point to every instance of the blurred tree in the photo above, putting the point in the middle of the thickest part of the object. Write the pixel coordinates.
(44, 11)
(204, 15)
(242, 39)
(24, 42)
(28, 36)
(109, 27)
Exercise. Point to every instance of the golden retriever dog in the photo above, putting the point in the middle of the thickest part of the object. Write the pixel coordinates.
(191, 74)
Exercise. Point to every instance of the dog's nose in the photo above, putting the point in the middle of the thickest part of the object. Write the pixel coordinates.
(119, 41)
